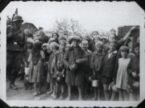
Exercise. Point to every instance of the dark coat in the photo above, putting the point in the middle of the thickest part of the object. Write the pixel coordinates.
(16, 41)
(75, 77)
(96, 64)
(109, 65)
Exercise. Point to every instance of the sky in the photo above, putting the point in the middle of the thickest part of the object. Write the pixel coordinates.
(91, 15)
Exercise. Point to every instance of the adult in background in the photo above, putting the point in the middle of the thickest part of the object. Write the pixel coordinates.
(74, 60)
(15, 50)
(119, 42)
(56, 37)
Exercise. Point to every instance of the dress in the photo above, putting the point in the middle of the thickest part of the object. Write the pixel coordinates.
(122, 73)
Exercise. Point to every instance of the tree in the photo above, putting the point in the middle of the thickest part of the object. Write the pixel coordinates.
(68, 27)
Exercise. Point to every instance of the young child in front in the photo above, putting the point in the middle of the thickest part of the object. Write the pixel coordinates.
(122, 73)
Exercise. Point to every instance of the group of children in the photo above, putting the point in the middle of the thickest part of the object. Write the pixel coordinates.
(68, 68)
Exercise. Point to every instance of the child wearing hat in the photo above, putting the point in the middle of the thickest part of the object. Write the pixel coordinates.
(122, 73)
(74, 60)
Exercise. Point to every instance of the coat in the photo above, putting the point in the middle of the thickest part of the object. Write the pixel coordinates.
(108, 68)
(96, 64)
(109, 65)
(75, 77)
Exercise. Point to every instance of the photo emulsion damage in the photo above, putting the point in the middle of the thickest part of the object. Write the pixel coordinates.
(88, 51)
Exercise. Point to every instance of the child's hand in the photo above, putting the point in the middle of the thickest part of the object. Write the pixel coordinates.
(134, 74)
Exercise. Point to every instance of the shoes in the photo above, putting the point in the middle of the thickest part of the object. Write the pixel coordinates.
(49, 92)
(13, 87)
(36, 94)
(61, 97)
(54, 96)
(68, 98)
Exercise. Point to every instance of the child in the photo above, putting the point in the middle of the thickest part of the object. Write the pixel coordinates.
(28, 70)
(60, 68)
(122, 73)
(96, 65)
(74, 61)
(108, 69)
(37, 59)
(134, 75)
(51, 78)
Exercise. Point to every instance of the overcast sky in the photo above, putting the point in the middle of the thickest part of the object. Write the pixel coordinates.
(91, 15)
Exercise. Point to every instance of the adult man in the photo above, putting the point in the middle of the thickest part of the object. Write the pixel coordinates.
(15, 50)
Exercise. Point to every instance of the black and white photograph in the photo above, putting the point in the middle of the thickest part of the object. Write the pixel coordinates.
(73, 51)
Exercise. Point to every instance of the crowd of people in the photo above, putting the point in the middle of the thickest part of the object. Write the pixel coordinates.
(67, 66)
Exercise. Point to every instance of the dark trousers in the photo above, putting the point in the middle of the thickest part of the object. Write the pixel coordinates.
(14, 62)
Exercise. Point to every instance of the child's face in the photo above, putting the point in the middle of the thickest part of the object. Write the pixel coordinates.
(54, 36)
(99, 49)
(124, 54)
(85, 46)
(74, 44)
(48, 50)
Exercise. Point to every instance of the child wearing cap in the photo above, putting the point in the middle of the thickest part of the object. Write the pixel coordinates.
(96, 66)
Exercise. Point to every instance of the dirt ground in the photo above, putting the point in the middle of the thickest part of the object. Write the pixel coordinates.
(22, 94)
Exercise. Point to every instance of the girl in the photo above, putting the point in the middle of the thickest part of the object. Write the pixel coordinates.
(37, 61)
(122, 73)
(51, 71)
